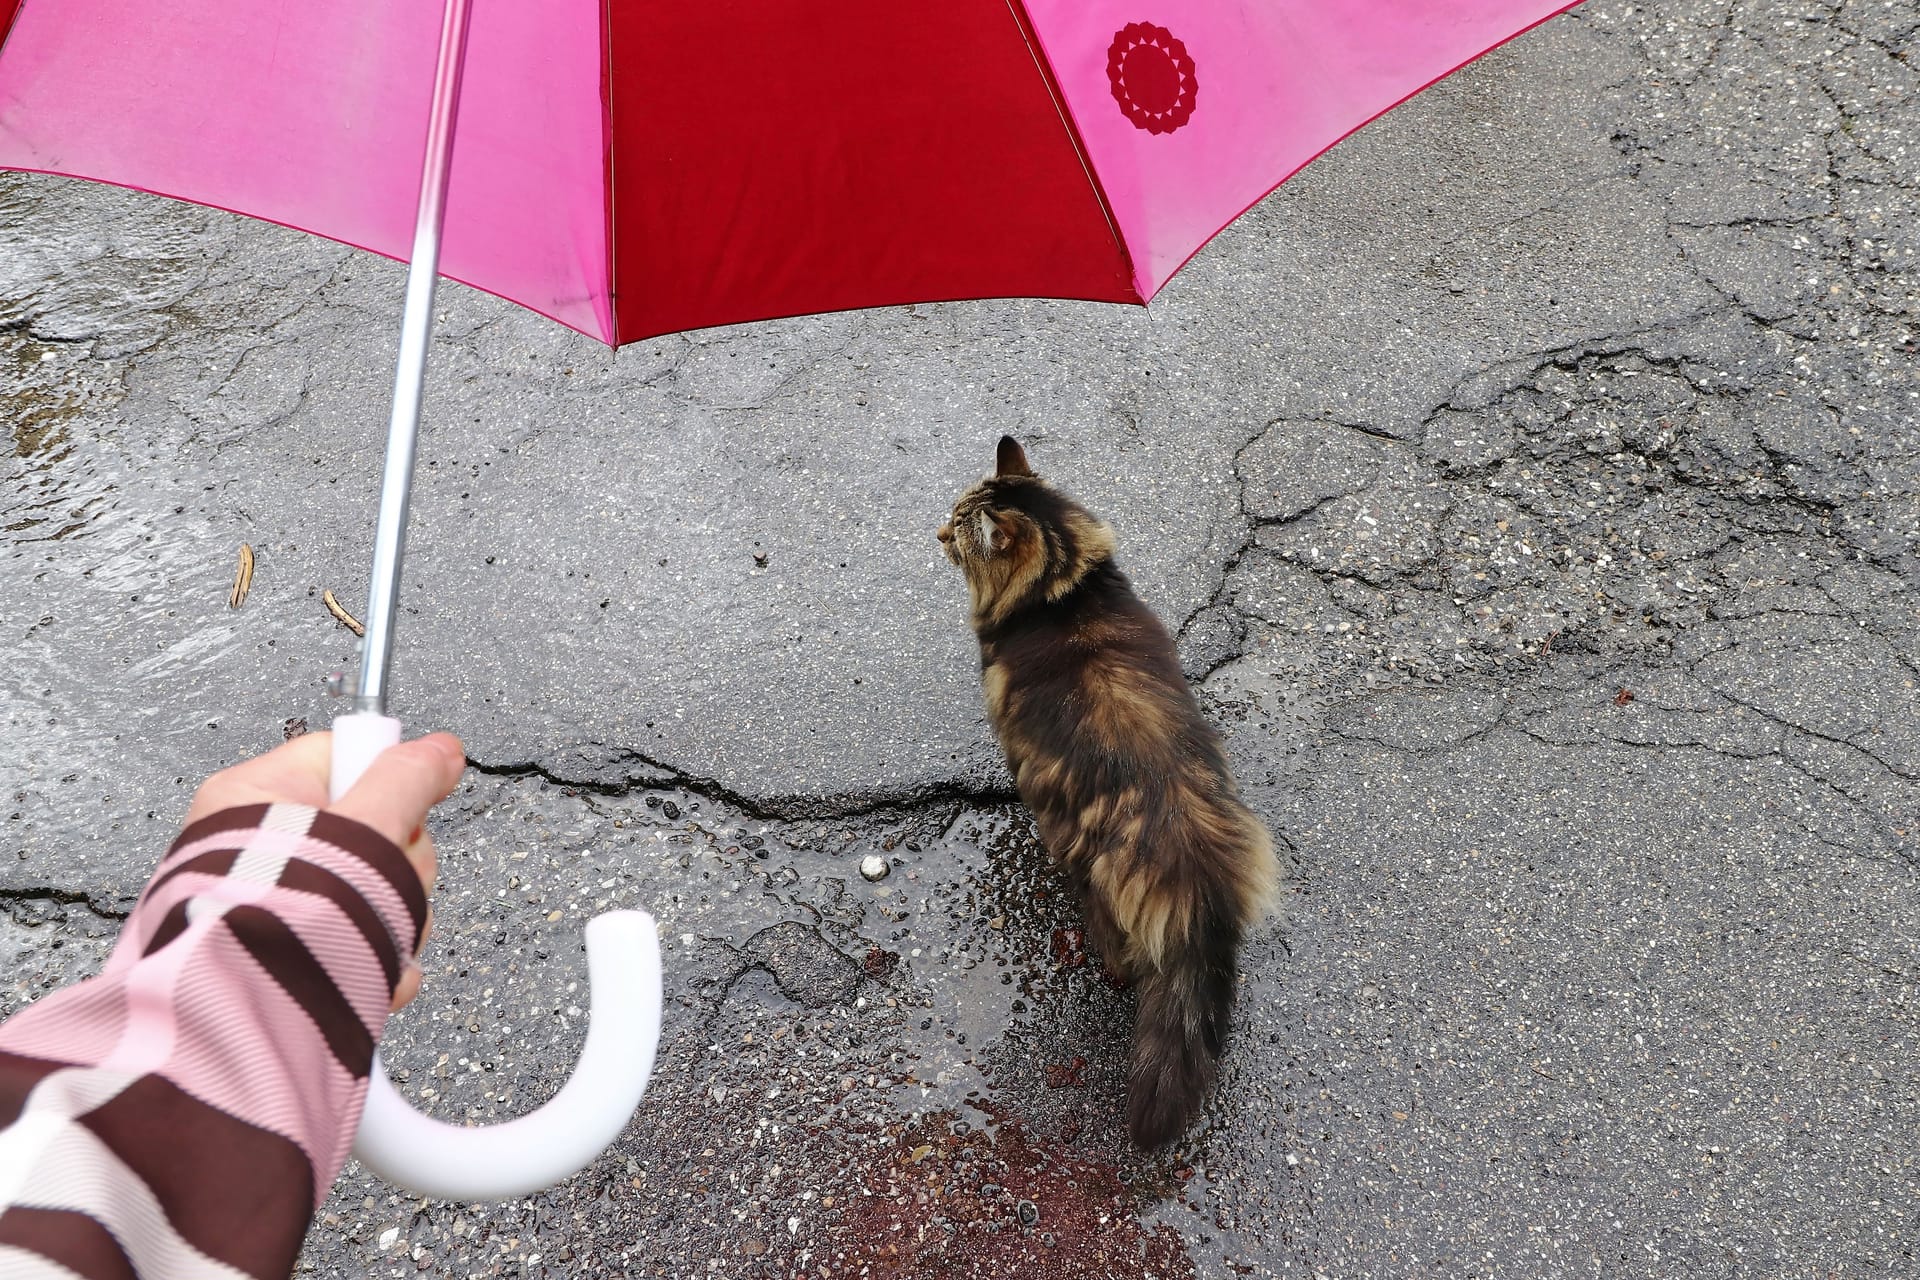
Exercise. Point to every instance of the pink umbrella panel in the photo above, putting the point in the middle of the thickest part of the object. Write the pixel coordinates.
(631, 170)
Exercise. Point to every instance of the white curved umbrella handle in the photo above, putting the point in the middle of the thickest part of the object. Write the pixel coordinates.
(517, 1157)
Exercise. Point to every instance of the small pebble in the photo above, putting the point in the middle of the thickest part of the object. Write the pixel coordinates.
(874, 867)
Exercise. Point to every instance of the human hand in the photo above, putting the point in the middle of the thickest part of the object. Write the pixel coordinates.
(392, 797)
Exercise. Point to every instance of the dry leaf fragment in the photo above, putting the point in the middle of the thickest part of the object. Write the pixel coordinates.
(242, 578)
(347, 620)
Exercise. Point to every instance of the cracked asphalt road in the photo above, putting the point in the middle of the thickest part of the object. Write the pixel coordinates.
(1534, 481)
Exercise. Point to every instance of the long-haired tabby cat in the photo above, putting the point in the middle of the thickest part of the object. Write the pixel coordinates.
(1127, 780)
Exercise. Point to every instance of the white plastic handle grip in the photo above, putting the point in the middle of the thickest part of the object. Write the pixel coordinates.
(518, 1157)
(357, 739)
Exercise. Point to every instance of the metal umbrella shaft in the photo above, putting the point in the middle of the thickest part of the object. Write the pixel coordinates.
(410, 374)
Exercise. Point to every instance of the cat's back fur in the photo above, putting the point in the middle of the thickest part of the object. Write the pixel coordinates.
(1128, 782)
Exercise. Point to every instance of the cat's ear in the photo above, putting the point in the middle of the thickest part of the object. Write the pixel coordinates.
(997, 532)
(1012, 460)
(1004, 528)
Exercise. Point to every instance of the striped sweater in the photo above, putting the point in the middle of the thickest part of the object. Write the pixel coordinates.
(184, 1112)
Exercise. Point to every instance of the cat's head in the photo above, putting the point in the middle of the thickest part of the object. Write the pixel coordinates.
(1019, 540)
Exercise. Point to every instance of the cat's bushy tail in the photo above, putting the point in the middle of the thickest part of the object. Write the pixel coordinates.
(1180, 1028)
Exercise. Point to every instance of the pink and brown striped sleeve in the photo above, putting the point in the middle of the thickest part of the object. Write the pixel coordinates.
(184, 1112)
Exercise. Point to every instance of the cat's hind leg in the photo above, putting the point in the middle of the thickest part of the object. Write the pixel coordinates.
(1106, 937)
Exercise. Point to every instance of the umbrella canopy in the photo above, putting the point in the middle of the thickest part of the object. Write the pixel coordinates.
(635, 169)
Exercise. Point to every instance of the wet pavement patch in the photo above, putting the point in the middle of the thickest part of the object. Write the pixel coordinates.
(808, 968)
(941, 1198)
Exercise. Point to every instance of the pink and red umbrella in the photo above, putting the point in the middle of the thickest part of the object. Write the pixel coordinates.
(633, 169)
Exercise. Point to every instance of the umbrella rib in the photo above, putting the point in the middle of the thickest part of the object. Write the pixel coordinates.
(613, 187)
(1018, 10)
(9, 10)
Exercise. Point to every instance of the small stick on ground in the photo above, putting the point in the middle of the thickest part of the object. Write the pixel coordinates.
(242, 578)
(339, 611)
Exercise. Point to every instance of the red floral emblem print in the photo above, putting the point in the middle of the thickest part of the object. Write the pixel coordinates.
(1152, 77)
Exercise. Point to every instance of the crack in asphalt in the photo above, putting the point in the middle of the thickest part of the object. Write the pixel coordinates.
(64, 898)
(878, 803)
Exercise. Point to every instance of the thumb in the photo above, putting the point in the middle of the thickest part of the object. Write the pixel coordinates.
(402, 783)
